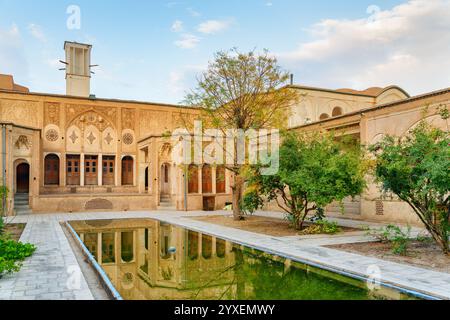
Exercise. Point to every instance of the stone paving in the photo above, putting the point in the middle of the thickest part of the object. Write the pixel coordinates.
(51, 273)
(55, 255)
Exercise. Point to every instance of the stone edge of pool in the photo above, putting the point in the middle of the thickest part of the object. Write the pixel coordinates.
(418, 293)
(103, 277)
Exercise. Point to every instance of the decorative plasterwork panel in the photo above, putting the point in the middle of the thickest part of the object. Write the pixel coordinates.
(74, 140)
(92, 138)
(101, 117)
(91, 118)
(128, 119)
(51, 113)
(20, 112)
(128, 139)
(154, 122)
(109, 141)
(23, 142)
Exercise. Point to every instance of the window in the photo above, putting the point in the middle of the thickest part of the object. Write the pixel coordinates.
(337, 112)
(220, 179)
(220, 248)
(192, 245)
(206, 246)
(193, 179)
(51, 175)
(108, 254)
(324, 116)
(127, 253)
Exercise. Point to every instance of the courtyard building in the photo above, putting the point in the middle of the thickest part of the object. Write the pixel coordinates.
(76, 152)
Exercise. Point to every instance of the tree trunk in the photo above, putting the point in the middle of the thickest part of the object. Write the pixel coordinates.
(237, 197)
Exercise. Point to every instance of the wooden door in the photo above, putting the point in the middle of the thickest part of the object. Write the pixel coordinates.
(23, 178)
(51, 172)
(108, 170)
(220, 179)
(73, 170)
(127, 171)
(206, 179)
(91, 170)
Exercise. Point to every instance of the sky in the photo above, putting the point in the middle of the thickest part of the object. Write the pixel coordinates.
(154, 50)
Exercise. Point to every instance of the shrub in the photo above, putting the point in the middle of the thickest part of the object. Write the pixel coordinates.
(416, 169)
(321, 227)
(12, 253)
(395, 236)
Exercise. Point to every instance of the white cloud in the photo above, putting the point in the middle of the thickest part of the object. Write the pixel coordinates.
(36, 32)
(183, 79)
(12, 58)
(187, 41)
(269, 4)
(193, 12)
(407, 45)
(213, 26)
(177, 26)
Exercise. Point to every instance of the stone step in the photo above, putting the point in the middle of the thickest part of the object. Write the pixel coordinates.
(172, 208)
(22, 207)
(22, 204)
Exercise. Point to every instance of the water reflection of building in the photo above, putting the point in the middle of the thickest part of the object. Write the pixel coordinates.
(148, 259)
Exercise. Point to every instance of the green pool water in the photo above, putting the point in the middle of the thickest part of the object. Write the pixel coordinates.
(149, 260)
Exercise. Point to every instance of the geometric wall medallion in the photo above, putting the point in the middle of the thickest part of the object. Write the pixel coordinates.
(91, 138)
(52, 135)
(128, 138)
(108, 138)
(73, 137)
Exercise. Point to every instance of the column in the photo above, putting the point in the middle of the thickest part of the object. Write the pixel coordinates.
(99, 248)
(213, 178)
(82, 170)
(100, 169)
(200, 179)
(214, 247)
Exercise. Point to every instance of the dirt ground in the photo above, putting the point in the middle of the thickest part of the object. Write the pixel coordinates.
(425, 255)
(264, 225)
(14, 230)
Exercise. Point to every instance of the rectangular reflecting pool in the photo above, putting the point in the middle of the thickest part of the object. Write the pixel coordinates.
(150, 260)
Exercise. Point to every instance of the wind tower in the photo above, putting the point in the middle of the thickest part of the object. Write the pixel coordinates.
(78, 69)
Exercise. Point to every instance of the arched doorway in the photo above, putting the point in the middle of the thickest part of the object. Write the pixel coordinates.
(51, 171)
(127, 171)
(23, 178)
(165, 179)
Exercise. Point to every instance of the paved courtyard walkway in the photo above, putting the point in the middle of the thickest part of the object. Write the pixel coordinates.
(51, 273)
(54, 255)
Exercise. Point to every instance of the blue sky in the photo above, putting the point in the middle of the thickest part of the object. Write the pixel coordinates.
(152, 50)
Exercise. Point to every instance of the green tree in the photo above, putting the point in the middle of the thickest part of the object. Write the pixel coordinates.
(315, 170)
(416, 169)
(242, 91)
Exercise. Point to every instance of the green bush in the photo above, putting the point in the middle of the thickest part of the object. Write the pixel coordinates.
(321, 227)
(12, 253)
(394, 235)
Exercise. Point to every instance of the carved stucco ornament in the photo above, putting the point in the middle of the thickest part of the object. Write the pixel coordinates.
(23, 141)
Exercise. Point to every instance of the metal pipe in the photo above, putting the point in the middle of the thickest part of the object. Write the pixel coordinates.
(4, 167)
